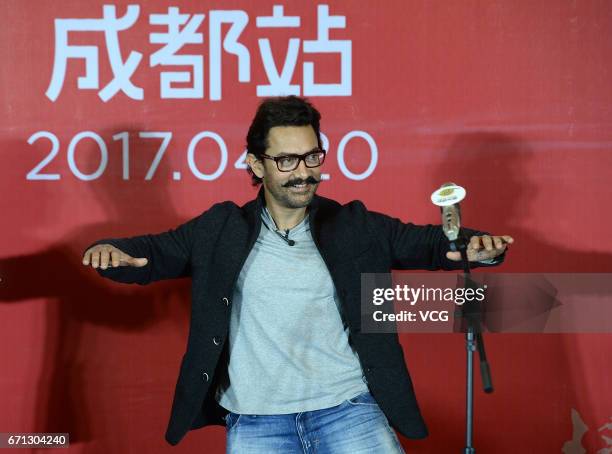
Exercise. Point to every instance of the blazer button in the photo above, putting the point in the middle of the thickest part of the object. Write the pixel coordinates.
(204, 376)
(216, 340)
(226, 301)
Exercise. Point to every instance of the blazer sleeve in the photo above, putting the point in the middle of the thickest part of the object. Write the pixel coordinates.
(168, 254)
(414, 247)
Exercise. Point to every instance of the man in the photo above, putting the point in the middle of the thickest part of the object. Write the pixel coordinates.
(275, 349)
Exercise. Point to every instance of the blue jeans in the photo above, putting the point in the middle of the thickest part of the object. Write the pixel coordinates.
(356, 426)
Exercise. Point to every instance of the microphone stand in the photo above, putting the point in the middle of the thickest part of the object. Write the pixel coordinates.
(473, 341)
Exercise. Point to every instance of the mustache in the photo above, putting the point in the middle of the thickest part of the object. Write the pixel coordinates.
(309, 180)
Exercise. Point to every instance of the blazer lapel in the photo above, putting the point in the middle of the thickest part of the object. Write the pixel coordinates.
(240, 233)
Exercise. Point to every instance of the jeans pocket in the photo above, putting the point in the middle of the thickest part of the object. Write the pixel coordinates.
(364, 398)
(231, 419)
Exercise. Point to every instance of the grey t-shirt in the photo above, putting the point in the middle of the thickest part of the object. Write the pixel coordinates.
(289, 350)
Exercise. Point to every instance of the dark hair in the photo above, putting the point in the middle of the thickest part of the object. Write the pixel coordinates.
(281, 111)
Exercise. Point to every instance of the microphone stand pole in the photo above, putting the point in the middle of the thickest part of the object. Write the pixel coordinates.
(473, 341)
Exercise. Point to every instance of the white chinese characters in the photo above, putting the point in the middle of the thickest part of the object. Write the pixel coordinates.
(183, 70)
(122, 71)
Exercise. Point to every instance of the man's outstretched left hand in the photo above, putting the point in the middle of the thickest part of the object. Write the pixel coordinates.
(483, 247)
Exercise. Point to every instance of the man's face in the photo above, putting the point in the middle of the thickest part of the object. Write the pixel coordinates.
(294, 189)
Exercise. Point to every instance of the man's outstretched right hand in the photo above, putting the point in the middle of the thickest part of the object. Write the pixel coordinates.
(103, 255)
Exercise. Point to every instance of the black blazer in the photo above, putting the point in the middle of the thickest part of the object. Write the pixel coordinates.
(212, 249)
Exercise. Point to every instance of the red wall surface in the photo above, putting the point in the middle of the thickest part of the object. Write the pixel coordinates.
(509, 98)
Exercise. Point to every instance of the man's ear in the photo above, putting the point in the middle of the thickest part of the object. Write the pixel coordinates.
(255, 164)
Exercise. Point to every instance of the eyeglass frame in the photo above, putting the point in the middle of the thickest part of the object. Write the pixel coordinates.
(301, 157)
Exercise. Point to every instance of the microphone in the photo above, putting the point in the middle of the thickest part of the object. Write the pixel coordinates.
(447, 197)
(286, 237)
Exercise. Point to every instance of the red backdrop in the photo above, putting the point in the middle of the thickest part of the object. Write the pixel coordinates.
(510, 99)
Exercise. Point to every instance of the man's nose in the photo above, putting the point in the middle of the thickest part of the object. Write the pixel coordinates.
(302, 171)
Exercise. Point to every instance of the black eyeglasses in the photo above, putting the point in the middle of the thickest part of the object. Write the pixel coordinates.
(289, 162)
